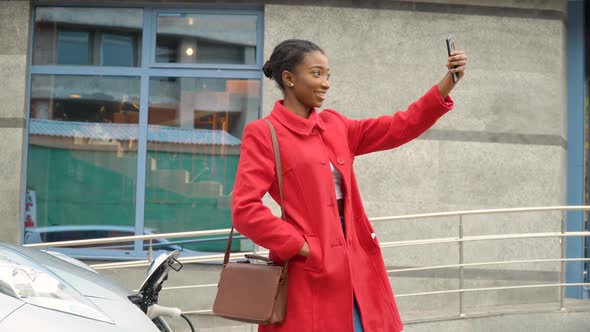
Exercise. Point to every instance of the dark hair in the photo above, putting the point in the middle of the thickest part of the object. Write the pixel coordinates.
(286, 56)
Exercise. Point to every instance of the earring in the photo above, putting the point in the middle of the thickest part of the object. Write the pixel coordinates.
(291, 84)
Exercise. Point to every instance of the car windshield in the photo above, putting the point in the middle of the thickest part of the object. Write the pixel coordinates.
(24, 279)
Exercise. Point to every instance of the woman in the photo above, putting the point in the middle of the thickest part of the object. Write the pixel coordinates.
(337, 277)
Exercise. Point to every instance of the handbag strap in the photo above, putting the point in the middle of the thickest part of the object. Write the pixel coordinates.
(275, 145)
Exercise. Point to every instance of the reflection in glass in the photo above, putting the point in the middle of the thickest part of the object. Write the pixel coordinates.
(72, 47)
(82, 164)
(194, 135)
(83, 36)
(206, 38)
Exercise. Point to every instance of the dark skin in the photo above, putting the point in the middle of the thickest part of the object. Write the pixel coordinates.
(307, 85)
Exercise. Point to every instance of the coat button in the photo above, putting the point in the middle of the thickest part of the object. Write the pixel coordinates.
(340, 160)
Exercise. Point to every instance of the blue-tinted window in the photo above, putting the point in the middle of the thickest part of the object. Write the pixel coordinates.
(206, 38)
(72, 48)
(84, 143)
(118, 50)
(87, 36)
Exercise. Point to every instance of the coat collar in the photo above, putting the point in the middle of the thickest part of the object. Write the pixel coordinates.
(295, 122)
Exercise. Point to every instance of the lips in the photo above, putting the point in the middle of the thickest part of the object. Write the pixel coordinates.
(321, 94)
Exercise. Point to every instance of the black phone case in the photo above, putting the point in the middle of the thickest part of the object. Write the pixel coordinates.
(449, 50)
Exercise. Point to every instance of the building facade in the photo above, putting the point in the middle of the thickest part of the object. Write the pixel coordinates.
(129, 114)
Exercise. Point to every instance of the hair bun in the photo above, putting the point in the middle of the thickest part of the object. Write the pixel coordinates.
(267, 70)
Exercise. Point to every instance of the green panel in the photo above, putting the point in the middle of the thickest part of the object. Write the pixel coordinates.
(82, 187)
(175, 210)
(77, 187)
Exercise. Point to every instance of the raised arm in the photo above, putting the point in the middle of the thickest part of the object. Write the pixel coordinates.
(387, 132)
(255, 175)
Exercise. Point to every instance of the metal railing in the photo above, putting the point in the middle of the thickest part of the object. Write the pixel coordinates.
(460, 240)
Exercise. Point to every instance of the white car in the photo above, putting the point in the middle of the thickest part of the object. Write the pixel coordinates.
(47, 292)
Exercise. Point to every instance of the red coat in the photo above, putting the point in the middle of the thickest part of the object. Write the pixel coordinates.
(320, 293)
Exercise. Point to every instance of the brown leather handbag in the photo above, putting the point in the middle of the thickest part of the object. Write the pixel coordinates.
(254, 290)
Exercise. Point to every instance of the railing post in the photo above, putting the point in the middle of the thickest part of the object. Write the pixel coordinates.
(562, 279)
(150, 253)
(461, 262)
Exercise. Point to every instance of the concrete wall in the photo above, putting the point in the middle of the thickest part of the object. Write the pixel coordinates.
(14, 30)
(504, 144)
(426, 317)
(559, 6)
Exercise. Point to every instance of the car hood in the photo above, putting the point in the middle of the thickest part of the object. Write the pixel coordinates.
(8, 305)
(88, 283)
(126, 318)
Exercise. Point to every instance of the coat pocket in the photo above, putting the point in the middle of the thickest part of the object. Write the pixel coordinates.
(314, 260)
(364, 234)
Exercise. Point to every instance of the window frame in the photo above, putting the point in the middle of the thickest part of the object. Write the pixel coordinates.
(147, 68)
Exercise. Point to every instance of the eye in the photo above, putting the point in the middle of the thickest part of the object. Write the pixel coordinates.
(316, 73)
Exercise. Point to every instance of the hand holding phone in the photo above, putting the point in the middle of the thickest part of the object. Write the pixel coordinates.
(450, 48)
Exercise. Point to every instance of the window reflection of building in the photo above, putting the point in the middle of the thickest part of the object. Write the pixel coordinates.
(85, 98)
(216, 104)
(84, 127)
(206, 38)
(77, 36)
(218, 107)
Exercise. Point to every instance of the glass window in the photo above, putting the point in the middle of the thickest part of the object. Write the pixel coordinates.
(83, 36)
(72, 48)
(84, 125)
(118, 49)
(82, 159)
(206, 38)
(194, 135)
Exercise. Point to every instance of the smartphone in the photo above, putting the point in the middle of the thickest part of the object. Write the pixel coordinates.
(450, 48)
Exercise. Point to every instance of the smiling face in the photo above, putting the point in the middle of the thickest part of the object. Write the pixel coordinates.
(308, 84)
